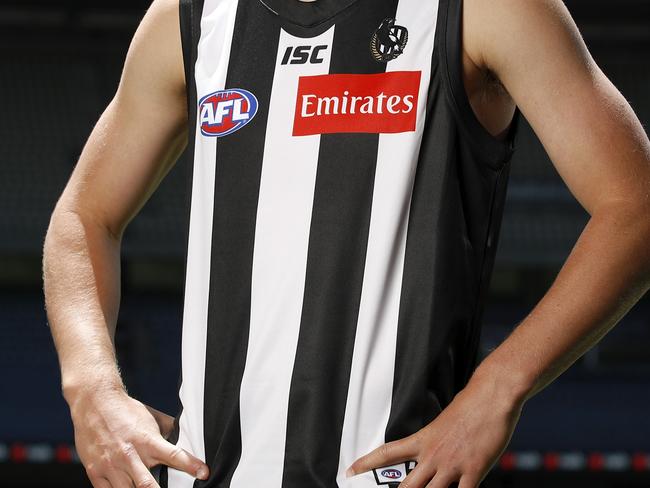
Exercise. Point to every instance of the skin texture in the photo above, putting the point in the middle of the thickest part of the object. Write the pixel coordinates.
(524, 53)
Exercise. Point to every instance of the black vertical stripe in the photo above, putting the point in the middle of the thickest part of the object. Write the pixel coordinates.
(238, 170)
(413, 404)
(450, 216)
(439, 286)
(190, 30)
(334, 275)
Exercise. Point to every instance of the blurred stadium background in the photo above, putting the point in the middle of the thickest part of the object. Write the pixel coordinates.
(60, 63)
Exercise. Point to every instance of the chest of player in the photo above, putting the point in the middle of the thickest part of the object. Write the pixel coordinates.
(340, 67)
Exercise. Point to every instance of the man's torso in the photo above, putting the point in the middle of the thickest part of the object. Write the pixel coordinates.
(344, 211)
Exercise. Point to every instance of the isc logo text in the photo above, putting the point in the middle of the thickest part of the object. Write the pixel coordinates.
(303, 55)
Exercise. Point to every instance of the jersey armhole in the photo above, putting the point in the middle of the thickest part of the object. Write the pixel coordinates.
(495, 152)
(186, 17)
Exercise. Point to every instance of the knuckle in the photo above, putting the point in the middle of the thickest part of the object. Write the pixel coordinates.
(147, 444)
(469, 482)
(142, 439)
(407, 483)
(427, 468)
(453, 468)
(427, 459)
(147, 439)
(385, 450)
(146, 483)
(473, 468)
(92, 470)
(417, 438)
(127, 450)
(107, 462)
(176, 453)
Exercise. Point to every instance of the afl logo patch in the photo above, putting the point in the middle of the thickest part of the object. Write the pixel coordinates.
(226, 111)
(391, 473)
(388, 41)
(392, 476)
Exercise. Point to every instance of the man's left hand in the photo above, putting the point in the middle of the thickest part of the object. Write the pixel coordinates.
(460, 445)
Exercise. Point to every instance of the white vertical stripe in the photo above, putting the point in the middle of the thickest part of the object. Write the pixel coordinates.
(373, 361)
(211, 67)
(278, 279)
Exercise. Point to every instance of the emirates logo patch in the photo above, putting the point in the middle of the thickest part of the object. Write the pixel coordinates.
(379, 103)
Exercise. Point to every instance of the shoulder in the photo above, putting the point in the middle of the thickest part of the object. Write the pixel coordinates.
(160, 24)
(504, 41)
(155, 55)
(498, 31)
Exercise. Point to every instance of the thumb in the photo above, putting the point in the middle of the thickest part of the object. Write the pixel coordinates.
(178, 458)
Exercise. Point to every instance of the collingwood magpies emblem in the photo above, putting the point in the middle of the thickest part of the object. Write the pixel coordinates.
(388, 41)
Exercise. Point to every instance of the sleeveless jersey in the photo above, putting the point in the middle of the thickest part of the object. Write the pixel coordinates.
(345, 205)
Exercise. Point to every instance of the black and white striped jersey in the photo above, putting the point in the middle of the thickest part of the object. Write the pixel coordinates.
(345, 205)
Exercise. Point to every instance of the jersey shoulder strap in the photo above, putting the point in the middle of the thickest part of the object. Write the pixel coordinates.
(489, 150)
(190, 12)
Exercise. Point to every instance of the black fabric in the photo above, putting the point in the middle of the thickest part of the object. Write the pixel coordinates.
(483, 166)
(339, 234)
(238, 170)
(455, 213)
(190, 30)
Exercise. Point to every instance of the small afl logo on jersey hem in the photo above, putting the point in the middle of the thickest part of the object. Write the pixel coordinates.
(226, 111)
(393, 475)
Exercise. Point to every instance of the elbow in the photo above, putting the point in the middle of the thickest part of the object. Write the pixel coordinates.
(72, 235)
(72, 222)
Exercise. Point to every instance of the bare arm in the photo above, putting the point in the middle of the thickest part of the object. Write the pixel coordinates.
(602, 153)
(134, 144)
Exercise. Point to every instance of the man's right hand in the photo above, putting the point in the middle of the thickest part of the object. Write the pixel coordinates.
(118, 439)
